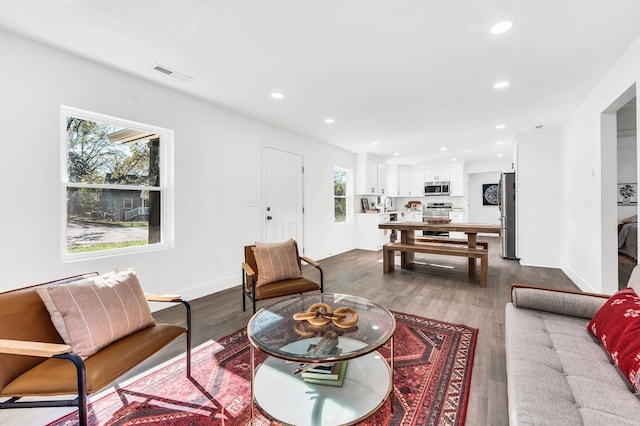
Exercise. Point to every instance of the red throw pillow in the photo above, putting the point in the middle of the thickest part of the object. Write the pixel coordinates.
(617, 326)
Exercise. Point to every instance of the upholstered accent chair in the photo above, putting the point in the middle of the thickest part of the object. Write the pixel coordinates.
(274, 270)
(75, 336)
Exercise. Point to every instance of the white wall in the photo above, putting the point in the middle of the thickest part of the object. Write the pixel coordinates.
(478, 212)
(218, 168)
(588, 198)
(537, 198)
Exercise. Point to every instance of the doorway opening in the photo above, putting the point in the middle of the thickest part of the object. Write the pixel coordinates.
(618, 186)
(627, 191)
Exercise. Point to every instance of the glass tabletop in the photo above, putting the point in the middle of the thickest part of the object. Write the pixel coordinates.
(324, 329)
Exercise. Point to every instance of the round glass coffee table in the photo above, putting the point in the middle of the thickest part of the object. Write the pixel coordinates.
(294, 344)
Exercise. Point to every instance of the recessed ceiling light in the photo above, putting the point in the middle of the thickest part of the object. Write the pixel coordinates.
(376, 143)
(453, 159)
(499, 155)
(501, 84)
(414, 163)
(499, 143)
(329, 120)
(501, 126)
(444, 148)
(396, 153)
(501, 27)
(277, 95)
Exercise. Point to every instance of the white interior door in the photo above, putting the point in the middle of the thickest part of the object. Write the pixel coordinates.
(283, 197)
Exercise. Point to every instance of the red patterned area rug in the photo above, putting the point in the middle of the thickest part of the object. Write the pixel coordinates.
(433, 361)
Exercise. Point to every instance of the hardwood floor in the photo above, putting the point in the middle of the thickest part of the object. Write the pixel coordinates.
(434, 292)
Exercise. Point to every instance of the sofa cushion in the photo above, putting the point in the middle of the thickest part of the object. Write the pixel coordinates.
(277, 261)
(617, 326)
(91, 313)
(565, 303)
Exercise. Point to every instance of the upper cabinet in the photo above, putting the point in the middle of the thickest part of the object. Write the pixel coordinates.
(456, 181)
(437, 174)
(375, 177)
(410, 182)
(382, 179)
(371, 175)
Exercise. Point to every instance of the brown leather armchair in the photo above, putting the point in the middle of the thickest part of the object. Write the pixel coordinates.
(36, 362)
(287, 287)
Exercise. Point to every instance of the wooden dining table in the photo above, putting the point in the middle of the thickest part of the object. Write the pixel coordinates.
(408, 233)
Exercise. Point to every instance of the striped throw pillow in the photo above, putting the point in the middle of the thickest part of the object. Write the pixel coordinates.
(91, 313)
(277, 262)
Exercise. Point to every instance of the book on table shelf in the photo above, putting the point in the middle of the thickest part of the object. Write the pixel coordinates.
(323, 371)
(329, 382)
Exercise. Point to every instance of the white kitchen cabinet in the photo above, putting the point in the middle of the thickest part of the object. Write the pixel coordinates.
(457, 217)
(404, 182)
(454, 175)
(382, 179)
(437, 174)
(368, 236)
(417, 183)
(456, 181)
(410, 182)
(371, 182)
(410, 216)
(370, 175)
(391, 171)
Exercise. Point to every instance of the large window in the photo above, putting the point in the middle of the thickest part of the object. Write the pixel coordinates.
(117, 185)
(341, 193)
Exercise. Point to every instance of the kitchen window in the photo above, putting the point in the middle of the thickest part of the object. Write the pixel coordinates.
(116, 185)
(341, 194)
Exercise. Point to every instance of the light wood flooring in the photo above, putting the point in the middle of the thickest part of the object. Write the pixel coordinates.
(434, 292)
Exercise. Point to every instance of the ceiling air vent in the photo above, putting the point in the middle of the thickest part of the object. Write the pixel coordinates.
(162, 69)
(172, 73)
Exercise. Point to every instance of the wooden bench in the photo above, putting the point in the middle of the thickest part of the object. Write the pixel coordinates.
(389, 249)
(446, 240)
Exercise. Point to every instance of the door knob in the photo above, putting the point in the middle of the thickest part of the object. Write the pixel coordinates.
(269, 218)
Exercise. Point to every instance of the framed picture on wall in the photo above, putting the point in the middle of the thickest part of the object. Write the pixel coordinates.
(627, 194)
(489, 194)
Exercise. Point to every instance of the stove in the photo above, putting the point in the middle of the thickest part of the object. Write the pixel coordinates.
(436, 210)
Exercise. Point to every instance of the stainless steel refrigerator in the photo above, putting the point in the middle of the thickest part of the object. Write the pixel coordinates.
(507, 204)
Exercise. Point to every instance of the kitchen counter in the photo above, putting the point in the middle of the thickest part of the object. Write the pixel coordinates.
(368, 235)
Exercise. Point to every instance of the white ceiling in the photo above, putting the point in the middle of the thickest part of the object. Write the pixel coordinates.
(412, 75)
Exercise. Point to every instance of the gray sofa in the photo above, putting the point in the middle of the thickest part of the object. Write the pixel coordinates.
(557, 372)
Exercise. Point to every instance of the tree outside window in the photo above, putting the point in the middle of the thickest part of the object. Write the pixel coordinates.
(341, 183)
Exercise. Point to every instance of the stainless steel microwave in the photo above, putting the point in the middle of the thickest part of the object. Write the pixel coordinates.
(436, 188)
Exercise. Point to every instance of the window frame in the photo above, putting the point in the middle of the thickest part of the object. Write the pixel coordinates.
(165, 188)
(126, 201)
(347, 196)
